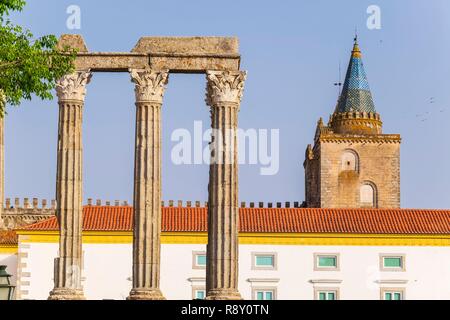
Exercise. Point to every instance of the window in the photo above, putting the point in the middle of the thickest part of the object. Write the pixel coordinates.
(199, 260)
(264, 261)
(349, 161)
(326, 294)
(199, 294)
(264, 294)
(326, 262)
(392, 262)
(367, 196)
(392, 294)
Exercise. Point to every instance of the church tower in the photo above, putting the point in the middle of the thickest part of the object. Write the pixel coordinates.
(352, 163)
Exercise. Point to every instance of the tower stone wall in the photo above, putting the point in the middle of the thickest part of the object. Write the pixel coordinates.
(331, 184)
(378, 165)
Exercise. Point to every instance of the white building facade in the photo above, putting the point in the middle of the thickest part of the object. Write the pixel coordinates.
(278, 259)
(265, 271)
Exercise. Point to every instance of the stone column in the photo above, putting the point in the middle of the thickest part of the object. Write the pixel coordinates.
(224, 92)
(149, 90)
(70, 90)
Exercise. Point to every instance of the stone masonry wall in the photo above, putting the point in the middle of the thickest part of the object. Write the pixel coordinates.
(312, 179)
(379, 163)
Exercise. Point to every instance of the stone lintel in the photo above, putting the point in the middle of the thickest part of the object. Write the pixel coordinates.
(122, 62)
(111, 61)
(177, 54)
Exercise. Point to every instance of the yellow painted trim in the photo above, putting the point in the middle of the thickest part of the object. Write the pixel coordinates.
(8, 249)
(343, 239)
(125, 237)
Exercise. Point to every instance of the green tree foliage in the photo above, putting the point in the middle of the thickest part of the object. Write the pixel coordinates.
(28, 66)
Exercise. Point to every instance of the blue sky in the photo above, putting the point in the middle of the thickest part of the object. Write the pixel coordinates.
(291, 50)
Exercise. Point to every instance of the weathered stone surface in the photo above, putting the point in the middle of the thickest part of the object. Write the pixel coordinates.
(190, 46)
(74, 41)
(224, 92)
(177, 54)
(149, 91)
(193, 64)
(69, 182)
(146, 294)
(66, 294)
(72, 86)
(150, 86)
(16, 217)
(379, 163)
(328, 185)
(111, 61)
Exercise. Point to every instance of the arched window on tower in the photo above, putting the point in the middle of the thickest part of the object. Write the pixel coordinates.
(350, 161)
(368, 195)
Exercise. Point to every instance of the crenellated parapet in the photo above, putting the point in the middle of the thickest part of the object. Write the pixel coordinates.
(21, 212)
(286, 204)
(356, 122)
(243, 204)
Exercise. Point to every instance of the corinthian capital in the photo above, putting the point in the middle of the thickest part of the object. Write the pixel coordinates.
(224, 86)
(73, 86)
(150, 84)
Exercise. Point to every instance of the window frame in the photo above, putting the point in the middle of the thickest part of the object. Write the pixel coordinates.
(194, 292)
(275, 260)
(402, 257)
(255, 291)
(317, 255)
(327, 290)
(195, 265)
(383, 292)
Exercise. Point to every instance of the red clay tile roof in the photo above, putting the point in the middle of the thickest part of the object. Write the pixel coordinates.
(302, 220)
(8, 237)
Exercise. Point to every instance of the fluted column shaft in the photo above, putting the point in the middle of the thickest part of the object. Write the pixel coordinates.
(224, 92)
(71, 90)
(149, 91)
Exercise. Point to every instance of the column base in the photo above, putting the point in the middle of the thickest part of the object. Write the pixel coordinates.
(223, 294)
(145, 294)
(66, 294)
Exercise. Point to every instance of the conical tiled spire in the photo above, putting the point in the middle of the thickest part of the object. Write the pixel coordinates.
(355, 94)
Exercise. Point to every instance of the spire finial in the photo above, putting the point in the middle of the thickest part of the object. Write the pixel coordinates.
(356, 52)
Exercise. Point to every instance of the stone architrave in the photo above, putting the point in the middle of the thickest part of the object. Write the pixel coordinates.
(224, 93)
(71, 90)
(149, 90)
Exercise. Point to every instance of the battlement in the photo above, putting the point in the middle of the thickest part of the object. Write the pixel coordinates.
(26, 204)
(356, 122)
(21, 212)
(286, 204)
(243, 204)
(44, 206)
